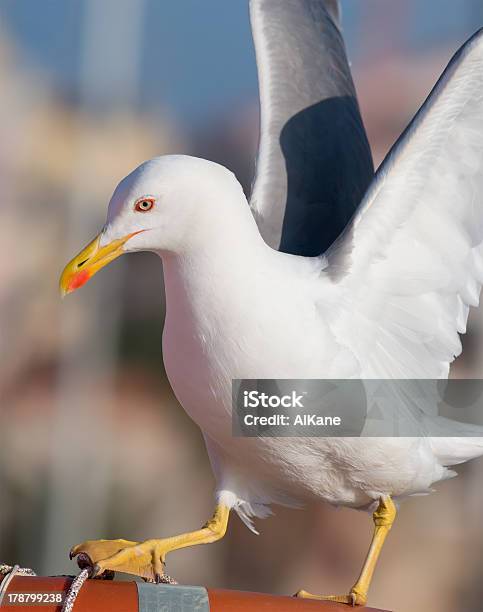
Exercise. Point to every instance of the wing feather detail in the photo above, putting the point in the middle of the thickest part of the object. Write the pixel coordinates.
(411, 262)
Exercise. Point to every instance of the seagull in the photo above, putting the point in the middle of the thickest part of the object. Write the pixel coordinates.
(328, 272)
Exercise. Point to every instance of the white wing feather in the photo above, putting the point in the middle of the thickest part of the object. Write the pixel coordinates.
(410, 264)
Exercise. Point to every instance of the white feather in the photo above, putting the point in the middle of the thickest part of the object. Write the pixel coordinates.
(415, 245)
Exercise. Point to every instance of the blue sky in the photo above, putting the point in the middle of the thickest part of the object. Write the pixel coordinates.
(196, 55)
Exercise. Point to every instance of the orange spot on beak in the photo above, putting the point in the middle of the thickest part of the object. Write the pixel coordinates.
(79, 279)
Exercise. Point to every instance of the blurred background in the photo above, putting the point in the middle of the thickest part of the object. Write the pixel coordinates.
(92, 441)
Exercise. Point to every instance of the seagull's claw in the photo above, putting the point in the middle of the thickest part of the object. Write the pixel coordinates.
(103, 557)
(383, 519)
(352, 599)
(146, 559)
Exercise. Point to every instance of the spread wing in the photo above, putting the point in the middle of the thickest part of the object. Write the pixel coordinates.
(314, 162)
(410, 264)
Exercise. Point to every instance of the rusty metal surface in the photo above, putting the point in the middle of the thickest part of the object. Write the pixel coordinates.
(95, 596)
(106, 595)
(238, 601)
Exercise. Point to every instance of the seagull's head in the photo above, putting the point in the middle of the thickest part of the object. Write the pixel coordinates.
(162, 206)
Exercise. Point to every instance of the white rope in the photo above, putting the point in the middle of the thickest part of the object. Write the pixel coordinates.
(74, 589)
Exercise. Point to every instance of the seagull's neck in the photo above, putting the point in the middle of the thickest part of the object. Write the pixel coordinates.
(219, 266)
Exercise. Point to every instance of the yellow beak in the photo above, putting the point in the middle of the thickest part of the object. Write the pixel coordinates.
(89, 261)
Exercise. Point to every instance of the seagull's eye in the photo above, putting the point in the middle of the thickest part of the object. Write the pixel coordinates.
(144, 204)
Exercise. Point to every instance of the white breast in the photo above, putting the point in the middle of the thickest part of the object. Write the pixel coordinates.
(248, 326)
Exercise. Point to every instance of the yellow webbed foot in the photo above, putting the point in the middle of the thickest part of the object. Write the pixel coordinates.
(145, 559)
(353, 598)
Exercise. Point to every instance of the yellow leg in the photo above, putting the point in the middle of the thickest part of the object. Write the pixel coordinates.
(147, 559)
(383, 519)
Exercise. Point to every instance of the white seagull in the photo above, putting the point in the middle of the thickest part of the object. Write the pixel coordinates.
(328, 273)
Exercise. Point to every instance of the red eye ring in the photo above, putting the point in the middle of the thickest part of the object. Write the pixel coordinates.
(144, 205)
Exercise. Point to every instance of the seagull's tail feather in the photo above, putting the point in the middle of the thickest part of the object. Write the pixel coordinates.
(453, 441)
(454, 450)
